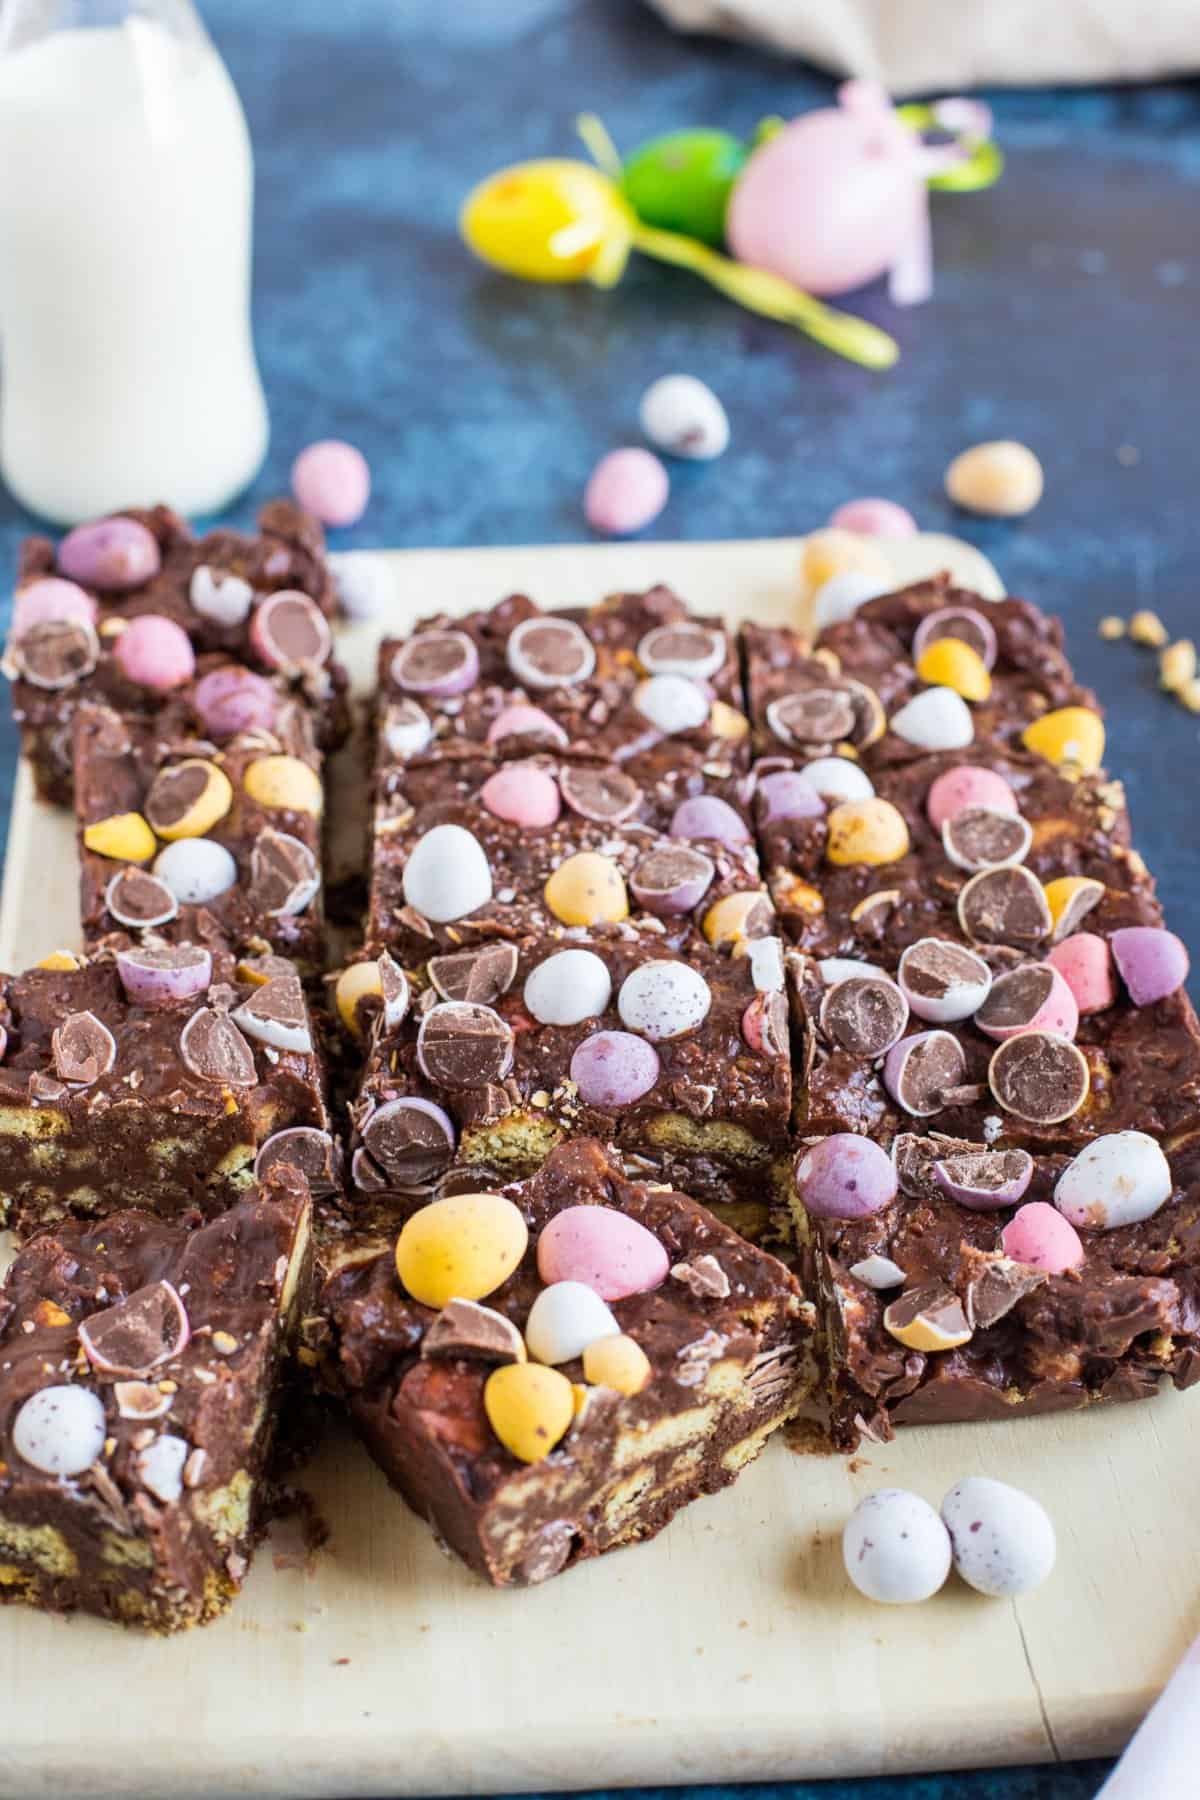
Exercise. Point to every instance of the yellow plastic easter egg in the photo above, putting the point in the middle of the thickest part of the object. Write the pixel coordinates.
(554, 220)
(461, 1248)
(1070, 734)
(587, 889)
(125, 837)
(284, 782)
(866, 831)
(529, 1407)
(617, 1362)
(948, 662)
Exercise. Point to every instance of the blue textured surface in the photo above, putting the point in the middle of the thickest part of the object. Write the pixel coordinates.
(1064, 316)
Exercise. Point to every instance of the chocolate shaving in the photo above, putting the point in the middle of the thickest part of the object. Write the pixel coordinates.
(84, 1049)
(464, 1328)
(214, 1049)
(1005, 906)
(284, 874)
(703, 1276)
(476, 976)
(56, 653)
(604, 794)
(864, 1015)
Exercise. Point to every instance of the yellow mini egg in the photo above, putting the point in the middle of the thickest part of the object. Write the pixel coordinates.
(736, 917)
(125, 837)
(285, 782)
(187, 798)
(1070, 899)
(461, 1248)
(529, 1407)
(866, 831)
(831, 552)
(948, 662)
(617, 1362)
(60, 962)
(727, 722)
(1071, 734)
(1001, 479)
(358, 982)
(587, 889)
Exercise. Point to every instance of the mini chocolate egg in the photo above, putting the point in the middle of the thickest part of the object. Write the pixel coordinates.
(187, 798)
(585, 889)
(836, 778)
(765, 956)
(844, 1177)
(568, 987)
(232, 699)
(942, 981)
(1001, 479)
(831, 552)
(872, 832)
(626, 491)
(841, 596)
(1040, 1237)
(736, 919)
(332, 481)
(1002, 1539)
(1070, 899)
(50, 600)
(968, 625)
(1151, 961)
(935, 719)
(663, 1000)
(220, 596)
(1031, 997)
(520, 720)
(612, 1069)
(871, 517)
(683, 417)
(1070, 735)
(60, 1430)
(1119, 1179)
(548, 652)
(833, 969)
(672, 703)
(1085, 962)
(196, 870)
(603, 1248)
(286, 783)
(125, 837)
(529, 1407)
(878, 1272)
(708, 816)
(154, 652)
(895, 1548)
(683, 647)
(564, 1319)
(436, 664)
(967, 786)
(522, 794)
(920, 1069)
(461, 1248)
(1040, 1077)
(447, 875)
(114, 554)
(617, 1362)
(786, 794)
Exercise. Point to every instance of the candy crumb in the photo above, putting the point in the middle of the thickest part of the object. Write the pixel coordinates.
(1177, 665)
(1146, 627)
(1111, 628)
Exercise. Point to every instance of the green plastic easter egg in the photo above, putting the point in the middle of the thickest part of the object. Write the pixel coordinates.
(682, 181)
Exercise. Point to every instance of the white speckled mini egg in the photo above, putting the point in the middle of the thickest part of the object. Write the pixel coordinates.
(1002, 1538)
(682, 416)
(895, 1548)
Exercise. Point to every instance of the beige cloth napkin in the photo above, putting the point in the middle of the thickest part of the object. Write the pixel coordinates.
(918, 46)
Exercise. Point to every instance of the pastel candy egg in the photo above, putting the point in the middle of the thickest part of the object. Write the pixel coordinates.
(866, 831)
(663, 1000)
(461, 1248)
(967, 786)
(1070, 899)
(234, 699)
(1002, 1539)
(614, 1068)
(708, 816)
(834, 552)
(1071, 734)
(788, 794)
(948, 662)
(587, 889)
(196, 870)
(114, 555)
(671, 703)
(1151, 961)
(682, 416)
(284, 782)
(332, 481)
(188, 798)
(526, 721)
(872, 517)
(845, 1177)
(626, 490)
(1085, 963)
(60, 1430)
(895, 1548)
(1039, 1235)
(935, 719)
(1115, 1180)
(568, 987)
(50, 599)
(155, 653)
(1031, 997)
(841, 596)
(617, 1362)
(125, 837)
(522, 794)
(565, 1318)
(725, 721)
(529, 1407)
(447, 875)
(736, 919)
(836, 778)
(603, 1249)
(1001, 479)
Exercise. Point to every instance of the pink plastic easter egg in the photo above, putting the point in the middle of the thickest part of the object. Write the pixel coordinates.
(155, 652)
(48, 599)
(967, 785)
(1038, 1234)
(1085, 964)
(871, 517)
(599, 1246)
(627, 489)
(830, 201)
(522, 794)
(332, 480)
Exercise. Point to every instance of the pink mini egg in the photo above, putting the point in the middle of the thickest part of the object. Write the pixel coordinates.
(526, 721)
(155, 652)
(604, 1250)
(1151, 961)
(872, 517)
(626, 490)
(522, 794)
(114, 554)
(332, 481)
(1085, 963)
(231, 699)
(1038, 1234)
(51, 598)
(967, 785)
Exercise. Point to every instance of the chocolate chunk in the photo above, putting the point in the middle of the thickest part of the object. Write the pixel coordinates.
(1017, 997)
(816, 715)
(275, 1014)
(993, 1286)
(365, 1173)
(284, 874)
(56, 653)
(410, 1141)
(864, 1015)
(139, 1334)
(137, 899)
(476, 976)
(464, 1328)
(84, 1049)
(548, 1554)
(982, 837)
(703, 1276)
(173, 793)
(604, 795)
(307, 1149)
(1005, 906)
(214, 1049)
(933, 1063)
(928, 1318)
(1039, 1077)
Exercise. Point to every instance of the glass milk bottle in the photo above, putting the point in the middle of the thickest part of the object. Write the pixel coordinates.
(127, 372)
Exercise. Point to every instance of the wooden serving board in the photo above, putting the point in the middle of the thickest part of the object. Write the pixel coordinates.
(730, 1648)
